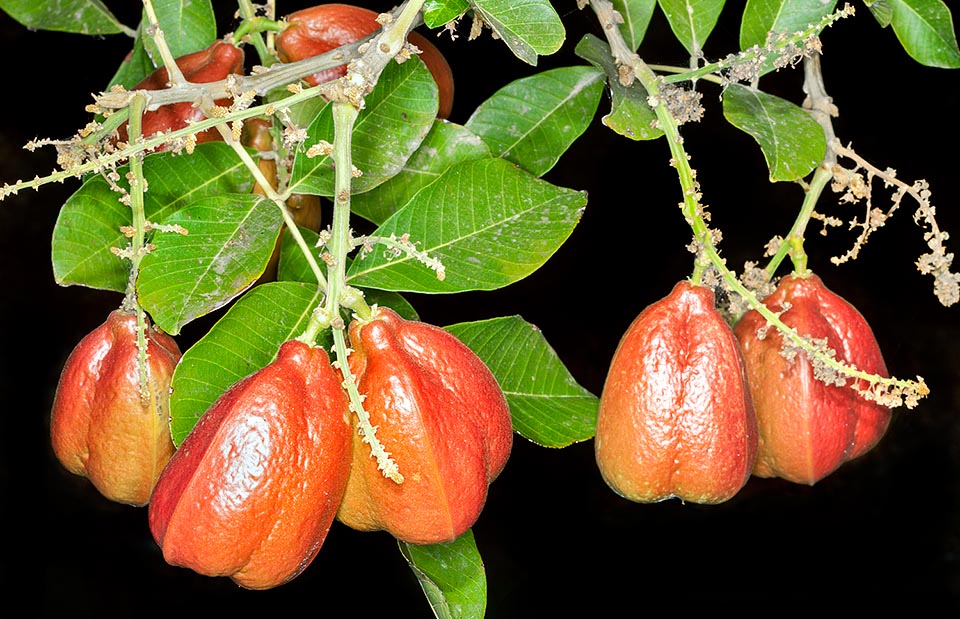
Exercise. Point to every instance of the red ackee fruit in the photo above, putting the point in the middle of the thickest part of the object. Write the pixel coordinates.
(212, 64)
(675, 416)
(254, 488)
(103, 425)
(442, 417)
(808, 428)
(324, 27)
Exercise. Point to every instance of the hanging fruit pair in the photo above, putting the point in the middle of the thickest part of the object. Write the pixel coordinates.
(691, 408)
(255, 486)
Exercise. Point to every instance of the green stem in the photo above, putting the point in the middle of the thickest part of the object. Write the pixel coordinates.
(279, 200)
(251, 27)
(793, 244)
(173, 69)
(761, 53)
(344, 117)
(691, 208)
(138, 242)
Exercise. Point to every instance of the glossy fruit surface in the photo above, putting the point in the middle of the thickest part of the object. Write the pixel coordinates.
(101, 427)
(212, 64)
(323, 27)
(443, 418)
(253, 489)
(807, 427)
(675, 416)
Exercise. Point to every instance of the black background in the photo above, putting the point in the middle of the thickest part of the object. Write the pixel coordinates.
(883, 532)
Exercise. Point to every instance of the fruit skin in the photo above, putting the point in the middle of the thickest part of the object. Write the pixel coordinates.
(324, 27)
(443, 418)
(807, 427)
(675, 416)
(212, 64)
(100, 427)
(254, 487)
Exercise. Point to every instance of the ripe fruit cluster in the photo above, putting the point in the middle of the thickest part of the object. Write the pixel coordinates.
(253, 489)
(692, 407)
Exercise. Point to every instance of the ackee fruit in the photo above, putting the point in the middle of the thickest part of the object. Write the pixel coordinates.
(442, 417)
(103, 425)
(675, 416)
(212, 64)
(324, 27)
(808, 428)
(254, 487)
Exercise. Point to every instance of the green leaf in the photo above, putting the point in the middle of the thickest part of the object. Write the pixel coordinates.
(692, 21)
(630, 115)
(89, 222)
(761, 17)
(293, 266)
(532, 121)
(396, 118)
(636, 17)
(792, 142)
(446, 144)
(530, 28)
(303, 114)
(925, 29)
(881, 11)
(547, 404)
(229, 242)
(452, 576)
(188, 26)
(436, 13)
(245, 339)
(488, 222)
(75, 16)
